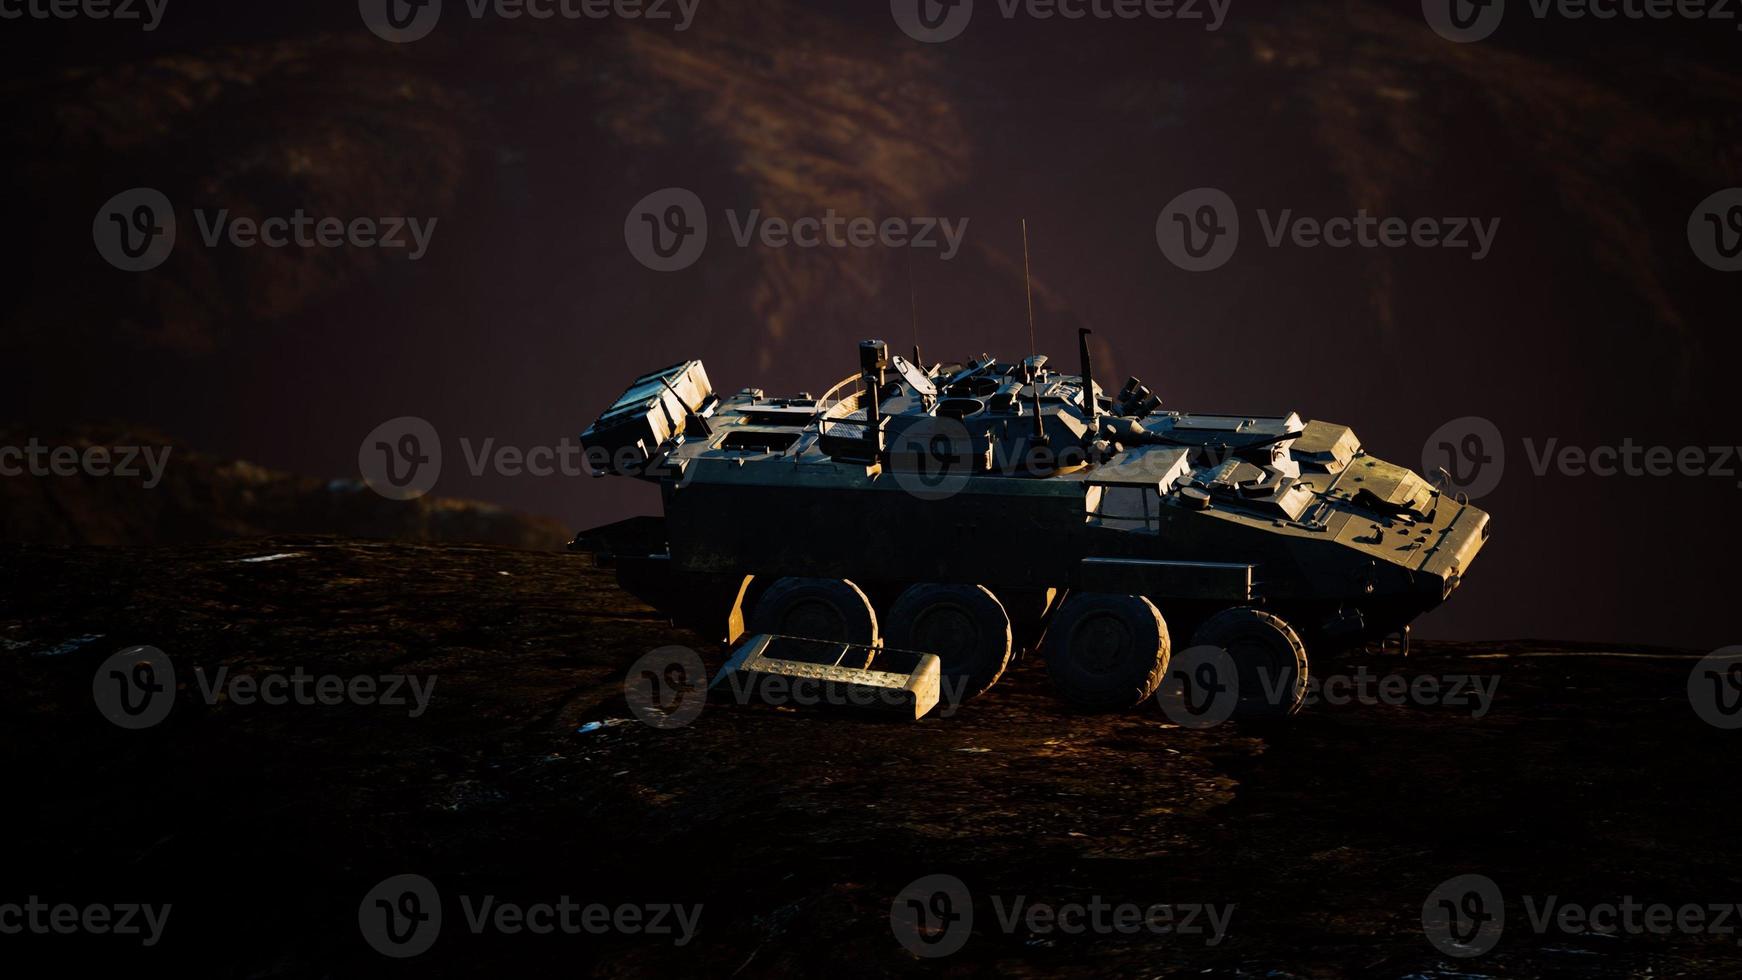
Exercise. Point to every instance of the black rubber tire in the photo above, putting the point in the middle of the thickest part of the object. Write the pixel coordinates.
(1268, 655)
(830, 609)
(965, 625)
(1107, 652)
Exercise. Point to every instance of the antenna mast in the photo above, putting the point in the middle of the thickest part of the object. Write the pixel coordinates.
(913, 309)
(1040, 438)
(1028, 289)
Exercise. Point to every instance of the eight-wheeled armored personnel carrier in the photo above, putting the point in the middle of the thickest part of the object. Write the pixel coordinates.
(971, 510)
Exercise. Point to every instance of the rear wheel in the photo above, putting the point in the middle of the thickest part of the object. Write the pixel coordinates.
(834, 610)
(1107, 652)
(1269, 659)
(965, 625)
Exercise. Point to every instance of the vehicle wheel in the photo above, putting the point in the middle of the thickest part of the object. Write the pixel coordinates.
(830, 609)
(1106, 652)
(965, 625)
(1269, 657)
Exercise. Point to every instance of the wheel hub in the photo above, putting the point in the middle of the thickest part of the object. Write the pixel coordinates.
(1100, 643)
(815, 620)
(947, 630)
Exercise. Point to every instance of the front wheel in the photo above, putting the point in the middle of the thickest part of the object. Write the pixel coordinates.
(1270, 661)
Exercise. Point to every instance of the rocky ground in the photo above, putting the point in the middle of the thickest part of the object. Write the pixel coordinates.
(264, 827)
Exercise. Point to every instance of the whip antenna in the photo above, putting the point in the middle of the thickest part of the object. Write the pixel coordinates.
(1028, 288)
(913, 310)
(1040, 438)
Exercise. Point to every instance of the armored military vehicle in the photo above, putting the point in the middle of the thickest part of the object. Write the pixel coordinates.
(973, 510)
